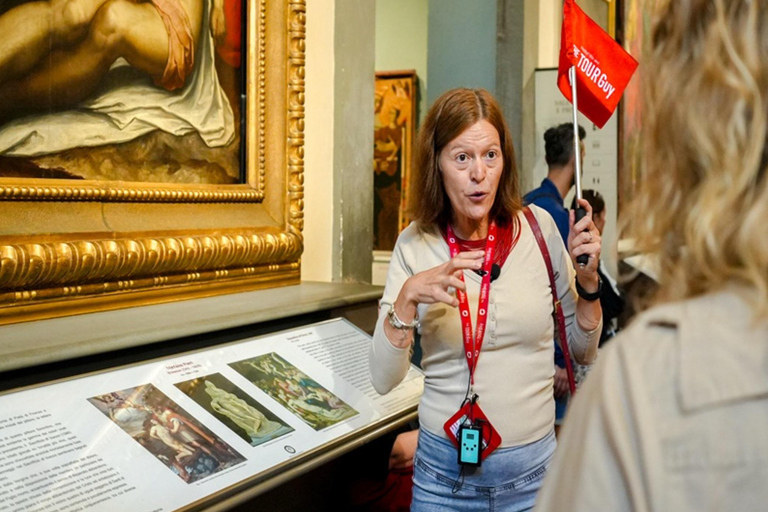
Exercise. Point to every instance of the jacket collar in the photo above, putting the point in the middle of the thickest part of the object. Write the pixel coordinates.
(723, 351)
(549, 186)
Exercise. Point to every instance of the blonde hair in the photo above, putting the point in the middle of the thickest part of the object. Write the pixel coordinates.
(702, 205)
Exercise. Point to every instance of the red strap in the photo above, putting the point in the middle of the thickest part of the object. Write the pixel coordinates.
(473, 344)
(558, 310)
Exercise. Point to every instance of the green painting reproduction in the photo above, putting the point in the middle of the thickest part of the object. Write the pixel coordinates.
(124, 91)
(240, 412)
(303, 396)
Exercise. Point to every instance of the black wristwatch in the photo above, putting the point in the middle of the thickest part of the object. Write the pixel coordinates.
(590, 296)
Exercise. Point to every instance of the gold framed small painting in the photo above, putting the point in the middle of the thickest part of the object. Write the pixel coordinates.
(394, 130)
(149, 152)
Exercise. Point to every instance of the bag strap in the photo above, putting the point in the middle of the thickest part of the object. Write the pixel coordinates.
(558, 309)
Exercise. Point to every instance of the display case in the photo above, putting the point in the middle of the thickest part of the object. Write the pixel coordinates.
(201, 405)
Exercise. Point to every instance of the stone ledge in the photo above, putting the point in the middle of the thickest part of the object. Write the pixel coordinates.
(48, 341)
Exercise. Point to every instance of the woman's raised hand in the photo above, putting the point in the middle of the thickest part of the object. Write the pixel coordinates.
(584, 238)
(437, 284)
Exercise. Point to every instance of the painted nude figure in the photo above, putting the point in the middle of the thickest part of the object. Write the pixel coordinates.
(53, 53)
(158, 431)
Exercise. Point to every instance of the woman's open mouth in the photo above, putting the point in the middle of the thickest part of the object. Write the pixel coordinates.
(477, 197)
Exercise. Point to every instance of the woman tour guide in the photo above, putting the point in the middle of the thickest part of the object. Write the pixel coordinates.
(470, 276)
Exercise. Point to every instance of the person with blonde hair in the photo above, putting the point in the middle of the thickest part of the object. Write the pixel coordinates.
(673, 415)
(472, 258)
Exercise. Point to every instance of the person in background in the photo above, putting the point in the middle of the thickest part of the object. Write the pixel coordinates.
(561, 174)
(673, 415)
(469, 215)
(550, 196)
(612, 299)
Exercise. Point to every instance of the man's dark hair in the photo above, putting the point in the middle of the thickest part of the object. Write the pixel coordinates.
(558, 144)
(594, 198)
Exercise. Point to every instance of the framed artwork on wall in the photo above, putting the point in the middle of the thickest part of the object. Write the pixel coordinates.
(164, 167)
(394, 131)
(131, 92)
(636, 31)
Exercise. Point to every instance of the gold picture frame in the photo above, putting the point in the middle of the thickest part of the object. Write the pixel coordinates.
(71, 247)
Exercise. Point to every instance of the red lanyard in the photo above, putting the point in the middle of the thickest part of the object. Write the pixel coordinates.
(472, 344)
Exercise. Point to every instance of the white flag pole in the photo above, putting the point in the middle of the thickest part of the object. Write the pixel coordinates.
(583, 259)
(576, 146)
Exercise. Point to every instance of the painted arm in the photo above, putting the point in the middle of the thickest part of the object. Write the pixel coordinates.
(218, 21)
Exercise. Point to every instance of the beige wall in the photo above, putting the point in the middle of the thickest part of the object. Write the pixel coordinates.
(321, 258)
(550, 19)
(316, 264)
(338, 151)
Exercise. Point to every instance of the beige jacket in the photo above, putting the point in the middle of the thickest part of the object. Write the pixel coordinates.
(674, 416)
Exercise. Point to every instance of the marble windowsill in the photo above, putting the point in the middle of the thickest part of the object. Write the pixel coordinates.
(46, 341)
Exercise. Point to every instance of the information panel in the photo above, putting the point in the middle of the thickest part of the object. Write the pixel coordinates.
(166, 435)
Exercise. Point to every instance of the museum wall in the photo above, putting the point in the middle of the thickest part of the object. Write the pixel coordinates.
(401, 41)
(448, 46)
(461, 46)
(338, 182)
(318, 142)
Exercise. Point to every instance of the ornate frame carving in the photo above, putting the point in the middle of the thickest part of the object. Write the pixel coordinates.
(76, 248)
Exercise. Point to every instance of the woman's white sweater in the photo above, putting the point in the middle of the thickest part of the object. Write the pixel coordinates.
(515, 370)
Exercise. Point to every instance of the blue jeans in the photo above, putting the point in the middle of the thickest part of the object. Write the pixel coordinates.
(508, 479)
(561, 404)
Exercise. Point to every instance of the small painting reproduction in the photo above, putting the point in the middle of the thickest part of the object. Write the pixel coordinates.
(168, 432)
(246, 417)
(314, 404)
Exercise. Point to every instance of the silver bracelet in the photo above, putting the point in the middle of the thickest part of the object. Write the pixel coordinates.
(395, 321)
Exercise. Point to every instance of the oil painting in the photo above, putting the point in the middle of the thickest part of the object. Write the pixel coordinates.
(150, 151)
(636, 28)
(122, 90)
(394, 128)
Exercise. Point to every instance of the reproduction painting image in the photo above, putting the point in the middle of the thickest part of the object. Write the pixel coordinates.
(394, 125)
(295, 390)
(235, 408)
(168, 432)
(121, 90)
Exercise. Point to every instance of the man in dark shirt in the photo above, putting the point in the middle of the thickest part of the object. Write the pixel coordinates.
(558, 146)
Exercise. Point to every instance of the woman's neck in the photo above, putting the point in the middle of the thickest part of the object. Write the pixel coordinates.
(470, 229)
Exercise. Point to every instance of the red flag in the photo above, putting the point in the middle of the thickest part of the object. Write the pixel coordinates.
(603, 68)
